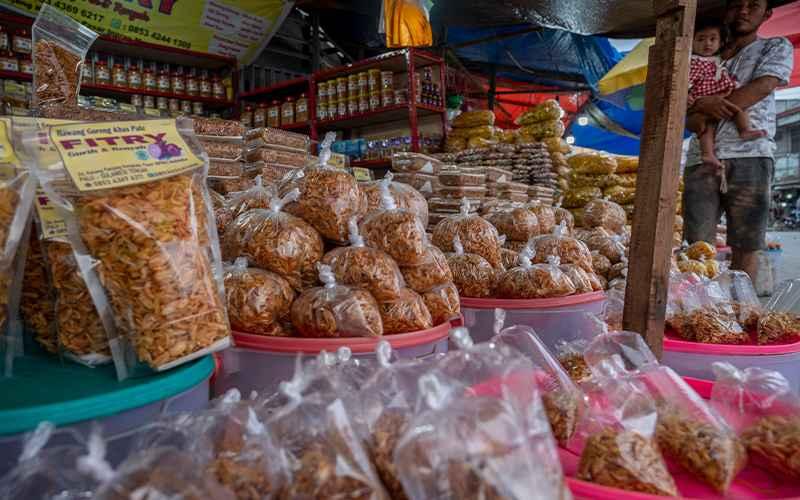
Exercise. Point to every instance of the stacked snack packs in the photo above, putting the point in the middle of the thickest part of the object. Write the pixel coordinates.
(471, 129)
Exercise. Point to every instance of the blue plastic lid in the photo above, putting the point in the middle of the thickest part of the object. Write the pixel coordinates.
(44, 387)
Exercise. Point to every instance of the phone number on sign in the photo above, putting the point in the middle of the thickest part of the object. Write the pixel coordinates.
(158, 37)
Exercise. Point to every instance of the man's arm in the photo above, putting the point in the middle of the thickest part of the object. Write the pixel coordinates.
(747, 95)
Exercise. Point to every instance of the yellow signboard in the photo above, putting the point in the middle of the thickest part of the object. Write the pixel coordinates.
(235, 28)
(53, 224)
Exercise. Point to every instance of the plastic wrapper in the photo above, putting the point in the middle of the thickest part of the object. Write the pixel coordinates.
(218, 127)
(519, 224)
(455, 144)
(276, 138)
(548, 110)
(539, 131)
(600, 263)
(627, 164)
(556, 145)
(780, 322)
(276, 241)
(470, 119)
(154, 247)
(37, 304)
(579, 197)
(368, 268)
(626, 180)
(270, 155)
(611, 247)
(562, 215)
(228, 148)
(443, 303)
(405, 313)
(761, 407)
(257, 196)
(705, 315)
(408, 162)
(470, 192)
(457, 178)
(592, 163)
(396, 231)
(701, 250)
(570, 357)
(509, 258)
(568, 249)
(496, 174)
(477, 132)
(686, 265)
(605, 214)
(335, 310)
(274, 173)
(257, 300)
(405, 197)
(473, 275)
(477, 235)
(60, 45)
(432, 272)
(583, 281)
(620, 195)
(426, 184)
(534, 281)
(602, 181)
(480, 143)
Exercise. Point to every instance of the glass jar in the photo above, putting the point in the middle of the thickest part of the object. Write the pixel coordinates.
(274, 115)
(163, 80)
(217, 87)
(352, 106)
(192, 85)
(333, 109)
(197, 108)
(322, 111)
(341, 88)
(134, 76)
(260, 115)
(87, 72)
(149, 79)
(21, 41)
(301, 109)
(119, 77)
(174, 105)
(287, 112)
(363, 104)
(247, 116)
(186, 107)
(374, 101)
(177, 82)
(162, 103)
(136, 100)
(205, 84)
(149, 101)
(3, 38)
(102, 75)
(26, 65)
(341, 112)
(8, 61)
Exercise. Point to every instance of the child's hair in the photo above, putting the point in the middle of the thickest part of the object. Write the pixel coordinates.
(704, 23)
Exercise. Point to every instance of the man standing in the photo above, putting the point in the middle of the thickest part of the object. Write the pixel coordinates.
(759, 66)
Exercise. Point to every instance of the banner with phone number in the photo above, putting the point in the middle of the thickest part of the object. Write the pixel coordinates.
(235, 28)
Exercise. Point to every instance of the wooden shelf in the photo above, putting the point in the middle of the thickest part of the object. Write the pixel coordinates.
(379, 116)
(112, 91)
(395, 61)
(284, 88)
(378, 164)
(296, 126)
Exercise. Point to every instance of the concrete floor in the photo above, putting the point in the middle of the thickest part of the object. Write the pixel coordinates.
(789, 267)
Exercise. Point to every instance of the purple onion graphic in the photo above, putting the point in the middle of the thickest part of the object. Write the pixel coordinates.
(155, 151)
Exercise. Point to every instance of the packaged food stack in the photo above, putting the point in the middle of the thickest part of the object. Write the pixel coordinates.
(590, 172)
(471, 130)
(274, 153)
(558, 149)
(418, 171)
(545, 195)
(455, 184)
(621, 186)
(223, 141)
(541, 122)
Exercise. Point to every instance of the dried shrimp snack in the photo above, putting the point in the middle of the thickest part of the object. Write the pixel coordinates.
(470, 119)
(575, 366)
(600, 263)
(37, 305)
(473, 275)
(277, 137)
(257, 300)
(701, 250)
(705, 325)
(388, 429)
(569, 250)
(270, 155)
(460, 178)
(519, 224)
(257, 196)
(277, 242)
(620, 195)
(778, 328)
(775, 439)
(406, 313)
(335, 310)
(217, 127)
(222, 148)
(611, 247)
(562, 215)
(415, 162)
(548, 110)
(605, 214)
(580, 197)
(364, 267)
(476, 234)
(625, 460)
(404, 195)
(546, 216)
(443, 303)
(580, 279)
(509, 258)
(529, 281)
(433, 272)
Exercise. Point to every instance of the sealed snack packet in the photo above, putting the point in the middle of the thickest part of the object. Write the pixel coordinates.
(568, 249)
(335, 310)
(407, 162)
(404, 196)
(396, 231)
(37, 304)
(257, 300)
(150, 239)
(570, 356)
(473, 275)
(365, 267)
(518, 224)
(738, 288)
(477, 235)
(258, 196)
(582, 281)
(780, 322)
(431, 273)
(606, 214)
(509, 258)
(708, 317)
(562, 215)
(534, 281)
(548, 110)
(762, 408)
(544, 214)
(610, 247)
(405, 313)
(443, 303)
(477, 118)
(277, 242)
(595, 163)
(329, 197)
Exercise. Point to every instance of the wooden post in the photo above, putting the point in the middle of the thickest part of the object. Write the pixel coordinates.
(659, 170)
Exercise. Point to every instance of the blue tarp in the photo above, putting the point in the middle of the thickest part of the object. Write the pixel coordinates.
(596, 133)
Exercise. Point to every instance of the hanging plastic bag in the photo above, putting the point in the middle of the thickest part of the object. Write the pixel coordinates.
(406, 23)
(781, 323)
(258, 301)
(431, 273)
(473, 275)
(477, 235)
(534, 281)
(405, 197)
(335, 310)
(276, 241)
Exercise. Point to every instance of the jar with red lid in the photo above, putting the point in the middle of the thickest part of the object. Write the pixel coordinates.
(26, 65)
(3, 38)
(260, 115)
(217, 87)
(21, 41)
(149, 79)
(119, 77)
(192, 84)
(287, 111)
(102, 74)
(8, 61)
(163, 80)
(134, 76)
(205, 84)
(247, 116)
(274, 114)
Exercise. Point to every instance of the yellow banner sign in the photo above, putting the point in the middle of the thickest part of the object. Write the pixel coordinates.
(52, 223)
(235, 28)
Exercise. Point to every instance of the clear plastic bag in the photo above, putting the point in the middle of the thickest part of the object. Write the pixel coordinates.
(470, 119)
(37, 304)
(257, 300)
(762, 408)
(443, 303)
(545, 214)
(368, 268)
(476, 132)
(334, 310)
(701, 250)
(548, 110)
(539, 131)
(405, 197)
(600, 263)
(276, 241)
(594, 163)
(433, 272)
(415, 162)
(534, 281)
(509, 258)
(620, 194)
(570, 356)
(568, 249)
(582, 281)
(605, 214)
(562, 215)
(627, 164)
(405, 313)
(738, 288)
(473, 275)
(276, 138)
(477, 235)
(518, 224)
(223, 148)
(707, 317)
(258, 196)
(398, 232)
(781, 323)
(579, 197)
(610, 247)
(60, 45)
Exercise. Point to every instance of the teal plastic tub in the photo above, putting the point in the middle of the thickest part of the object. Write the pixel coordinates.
(43, 388)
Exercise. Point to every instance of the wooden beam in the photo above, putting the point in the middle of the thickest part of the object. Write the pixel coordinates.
(666, 91)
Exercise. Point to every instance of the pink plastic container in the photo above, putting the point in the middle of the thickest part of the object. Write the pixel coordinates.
(692, 359)
(260, 363)
(556, 317)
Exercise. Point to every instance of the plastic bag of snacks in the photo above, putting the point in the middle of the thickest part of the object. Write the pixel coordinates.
(621, 195)
(477, 235)
(568, 249)
(276, 241)
(470, 119)
(258, 196)
(433, 271)
(150, 239)
(473, 275)
(443, 303)
(762, 408)
(605, 214)
(477, 132)
(37, 304)
(335, 310)
(701, 249)
(595, 163)
(546, 111)
(706, 316)
(563, 215)
(600, 263)
(405, 313)
(738, 289)
(405, 197)
(60, 45)
(570, 357)
(534, 281)
(329, 197)
(273, 138)
(583, 281)
(415, 163)
(257, 300)
(398, 232)
(518, 224)
(454, 144)
(780, 323)
(365, 267)
(541, 130)
(611, 247)
(627, 164)
(556, 145)
(509, 257)
(579, 197)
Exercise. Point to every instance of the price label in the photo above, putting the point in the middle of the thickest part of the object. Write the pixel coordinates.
(362, 174)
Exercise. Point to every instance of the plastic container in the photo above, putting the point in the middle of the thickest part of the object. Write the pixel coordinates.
(260, 363)
(752, 483)
(692, 359)
(553, 319)
(73, 395)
